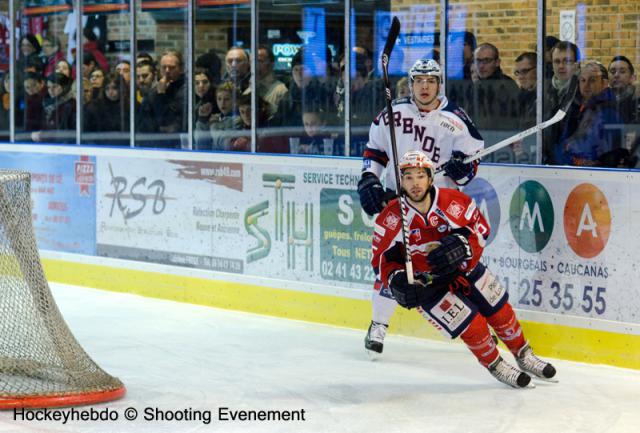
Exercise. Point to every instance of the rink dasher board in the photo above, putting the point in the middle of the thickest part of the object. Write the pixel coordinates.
(310, 187)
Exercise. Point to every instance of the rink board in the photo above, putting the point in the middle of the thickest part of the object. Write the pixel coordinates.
(285, 236)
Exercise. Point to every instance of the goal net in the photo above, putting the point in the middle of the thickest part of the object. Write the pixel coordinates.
(41, 363)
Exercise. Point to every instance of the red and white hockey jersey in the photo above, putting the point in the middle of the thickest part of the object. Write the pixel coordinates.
(437, 133)
(450, 210)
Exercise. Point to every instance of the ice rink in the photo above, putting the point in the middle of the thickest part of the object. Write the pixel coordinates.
(176, 357)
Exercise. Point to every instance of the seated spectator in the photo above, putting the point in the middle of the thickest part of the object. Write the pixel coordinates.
(492, 99)
(145, 79)
(238, 71)
(146, 84)
(91, 45)
(270, 89)
(591, 143)
(96, 82)
(35, 93)
(64, 67)
(526, 76)
(316, 139)
(124, 69)
(225, 119)
(242, 141)
(205, 107)
(367, 95)
(304, 89)
(110, 111)
(60, 111)
(565, 56)
(52, 52)
(169, 100)
(29, 57)
(622, 78)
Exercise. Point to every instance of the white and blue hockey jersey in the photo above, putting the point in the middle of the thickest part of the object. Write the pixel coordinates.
(437, 133)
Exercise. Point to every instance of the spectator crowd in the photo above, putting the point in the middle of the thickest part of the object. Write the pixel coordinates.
(303, 111)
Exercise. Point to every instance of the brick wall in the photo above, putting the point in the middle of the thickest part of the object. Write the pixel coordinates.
(611, 27)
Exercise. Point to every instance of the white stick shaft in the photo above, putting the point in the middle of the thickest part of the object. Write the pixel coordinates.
(519, 136)
(507, 141)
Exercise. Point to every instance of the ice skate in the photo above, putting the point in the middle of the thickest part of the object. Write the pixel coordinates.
(374, 340)
(508, 374)
(530, 363)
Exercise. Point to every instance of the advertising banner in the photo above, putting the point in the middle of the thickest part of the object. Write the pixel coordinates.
(63, 199)
(563, 241)
(292, 223)
(563, 245)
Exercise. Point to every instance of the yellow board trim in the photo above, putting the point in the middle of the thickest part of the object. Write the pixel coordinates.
(557, 341)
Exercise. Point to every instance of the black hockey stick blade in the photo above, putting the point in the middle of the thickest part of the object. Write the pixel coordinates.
(394, 31)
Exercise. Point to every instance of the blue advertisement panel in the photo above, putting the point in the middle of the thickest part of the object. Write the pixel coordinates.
(63, 197)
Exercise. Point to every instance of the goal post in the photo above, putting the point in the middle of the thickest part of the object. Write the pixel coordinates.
(41, 362)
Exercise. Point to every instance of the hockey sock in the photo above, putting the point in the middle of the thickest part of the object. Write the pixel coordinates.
(508, 328)
(479, 341)
(382, 307)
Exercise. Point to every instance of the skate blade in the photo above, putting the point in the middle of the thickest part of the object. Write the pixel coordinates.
(373, 355)
(544, 379)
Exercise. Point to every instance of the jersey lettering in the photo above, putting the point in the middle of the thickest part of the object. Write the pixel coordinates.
(427, 144)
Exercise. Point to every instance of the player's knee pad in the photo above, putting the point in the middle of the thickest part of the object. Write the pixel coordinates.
(486, 292)
(450, 314)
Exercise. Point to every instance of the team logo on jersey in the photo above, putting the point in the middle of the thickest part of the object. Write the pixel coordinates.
(433, 220)
(443, 228)
(445, 305)
(391, 221)
(455, 209)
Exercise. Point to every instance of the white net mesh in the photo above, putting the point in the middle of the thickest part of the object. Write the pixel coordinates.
(41, 363)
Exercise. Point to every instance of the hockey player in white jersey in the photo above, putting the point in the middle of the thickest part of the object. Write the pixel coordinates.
(425, 121)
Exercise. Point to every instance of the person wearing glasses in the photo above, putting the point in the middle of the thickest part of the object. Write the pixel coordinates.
(494, 103)
(564, 58)
(526, 74)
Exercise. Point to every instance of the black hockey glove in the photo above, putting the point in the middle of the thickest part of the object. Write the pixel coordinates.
(456, 169)
(408, 295)
(453, 250)
(371, 193)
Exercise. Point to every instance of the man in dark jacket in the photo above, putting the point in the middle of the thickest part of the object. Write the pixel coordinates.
(591, 143)
(169, 99)
(492, 100)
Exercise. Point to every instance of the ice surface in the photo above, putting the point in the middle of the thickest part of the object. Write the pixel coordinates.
(175, 356)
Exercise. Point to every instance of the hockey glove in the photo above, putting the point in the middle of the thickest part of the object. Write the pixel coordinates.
(457, 170)
(407, 295)
(371, 193)
(453, 250)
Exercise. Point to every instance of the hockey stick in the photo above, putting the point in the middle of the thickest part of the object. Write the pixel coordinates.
(394, 31)
(560, 114)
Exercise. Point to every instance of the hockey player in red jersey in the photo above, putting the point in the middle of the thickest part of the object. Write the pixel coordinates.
(453, 290)
(426, 121)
